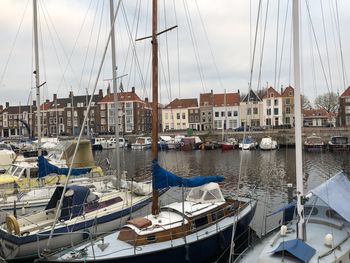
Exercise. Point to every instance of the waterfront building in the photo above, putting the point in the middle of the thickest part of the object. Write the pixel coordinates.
(288, 106)
(134, 114)
(272, 108)
(175, 115)
(226, 115)
(344, 109)
(251, 110)
(317, 118)
(206, 101)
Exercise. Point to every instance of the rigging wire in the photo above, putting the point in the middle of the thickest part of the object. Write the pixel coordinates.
(13, 44)
(277, 31)
(177, 50)
(194, 44)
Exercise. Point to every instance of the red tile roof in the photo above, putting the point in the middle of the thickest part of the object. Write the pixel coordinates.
(346, 93)
(46, 105)
(288, 90)
(315, 113)
(232, 99)
(206, 97)
(122, 96)
(272, 91)
(182, 103)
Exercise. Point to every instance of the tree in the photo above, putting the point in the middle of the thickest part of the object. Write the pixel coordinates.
(328, 102)
(305, 102)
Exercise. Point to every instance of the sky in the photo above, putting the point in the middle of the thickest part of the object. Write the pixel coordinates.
(212, 48)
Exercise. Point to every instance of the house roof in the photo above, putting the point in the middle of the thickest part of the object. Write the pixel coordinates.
(46, 105)
(232, 99)
(206, 97)
(346, 93)
(122, 96)
(287, 91)
(17, 109)
(271, 93)
(316, 113)
(252, 97)
(182, 103)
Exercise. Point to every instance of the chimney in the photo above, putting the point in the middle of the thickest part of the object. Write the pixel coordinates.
(1, 107)
(34, 102)
(146, 99)
(7, 104)
(133, 89)
(211, 91)
(108, 90)
(281, 90)
(238, 92)
(70, 94)
(100, 93)
(47, 101)
(54, 97)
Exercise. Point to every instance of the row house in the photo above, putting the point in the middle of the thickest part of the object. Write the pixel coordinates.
(65, 116)
(226, 111)
(134, 114)
(272, 108)
(16, 120)
(181, 114)
(251, 110)
(288, 106)
(206, 101)
(344, 109)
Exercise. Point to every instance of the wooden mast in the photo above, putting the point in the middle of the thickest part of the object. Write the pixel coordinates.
(154, 99)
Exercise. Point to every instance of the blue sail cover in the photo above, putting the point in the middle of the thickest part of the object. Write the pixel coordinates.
(46, 168)
(164, 179)
(297, 248)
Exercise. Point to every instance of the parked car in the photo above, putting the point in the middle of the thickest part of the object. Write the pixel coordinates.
(241, 128)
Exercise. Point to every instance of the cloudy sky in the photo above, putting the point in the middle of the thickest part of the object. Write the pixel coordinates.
(211, 49)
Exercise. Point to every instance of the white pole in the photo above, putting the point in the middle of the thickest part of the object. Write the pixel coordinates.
(298, 136)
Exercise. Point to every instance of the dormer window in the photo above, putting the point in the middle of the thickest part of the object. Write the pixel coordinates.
(271, 94)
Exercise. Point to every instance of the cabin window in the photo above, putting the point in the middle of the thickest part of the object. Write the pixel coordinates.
(332, 214)
(196, 194)
(201, 222)
(151, 239)
(307, 211)
(212, 195)
(217, 215)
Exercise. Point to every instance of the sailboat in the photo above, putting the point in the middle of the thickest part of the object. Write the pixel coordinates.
(73, 213)
(197, 229)
(320, 233)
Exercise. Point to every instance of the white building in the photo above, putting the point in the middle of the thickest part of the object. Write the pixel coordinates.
(226, 110)
(272, 108)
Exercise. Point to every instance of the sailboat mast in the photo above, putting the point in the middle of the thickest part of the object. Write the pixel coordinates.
(116, 103)
(154, 98)
(301, 233)
(37, 76)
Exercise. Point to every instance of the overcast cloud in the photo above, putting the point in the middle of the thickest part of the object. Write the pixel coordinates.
(210, 50)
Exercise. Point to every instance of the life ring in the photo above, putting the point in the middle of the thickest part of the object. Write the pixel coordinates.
(12, 225)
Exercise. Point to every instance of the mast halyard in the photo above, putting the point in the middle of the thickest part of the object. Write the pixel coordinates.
(116, 102)
(301, 231)
(155, 207)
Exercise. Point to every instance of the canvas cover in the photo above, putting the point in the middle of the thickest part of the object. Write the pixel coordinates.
(335, 192)
(297, 248)
(164, 179)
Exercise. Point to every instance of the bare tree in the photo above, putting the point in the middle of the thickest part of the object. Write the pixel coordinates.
(328, 102)
(305, 102)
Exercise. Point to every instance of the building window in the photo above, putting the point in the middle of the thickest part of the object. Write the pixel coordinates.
(268, 121)
(287, 120)
(183, 115)
(229, 113)
(235, 113)
(268, 102)
(268, 112)
(276, 102)
(216, 114)
(178, 116)
(249, 111)
(288, 101)
(287, 110)
(103, 106)
(222, 114)
(347, 109)
(275, 111)
(255, 111)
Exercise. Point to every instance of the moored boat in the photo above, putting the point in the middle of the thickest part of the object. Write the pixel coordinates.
(268, 143)
(142, 143)
(230, 144)
(339, 143)
(248, 143)
(314, 143)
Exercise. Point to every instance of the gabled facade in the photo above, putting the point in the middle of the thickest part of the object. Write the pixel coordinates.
(344, 109)
(251, 110)
(134, 114)
(176, 115)
(272, 108)
(288, 106)
(226, 111)
(206, 101)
